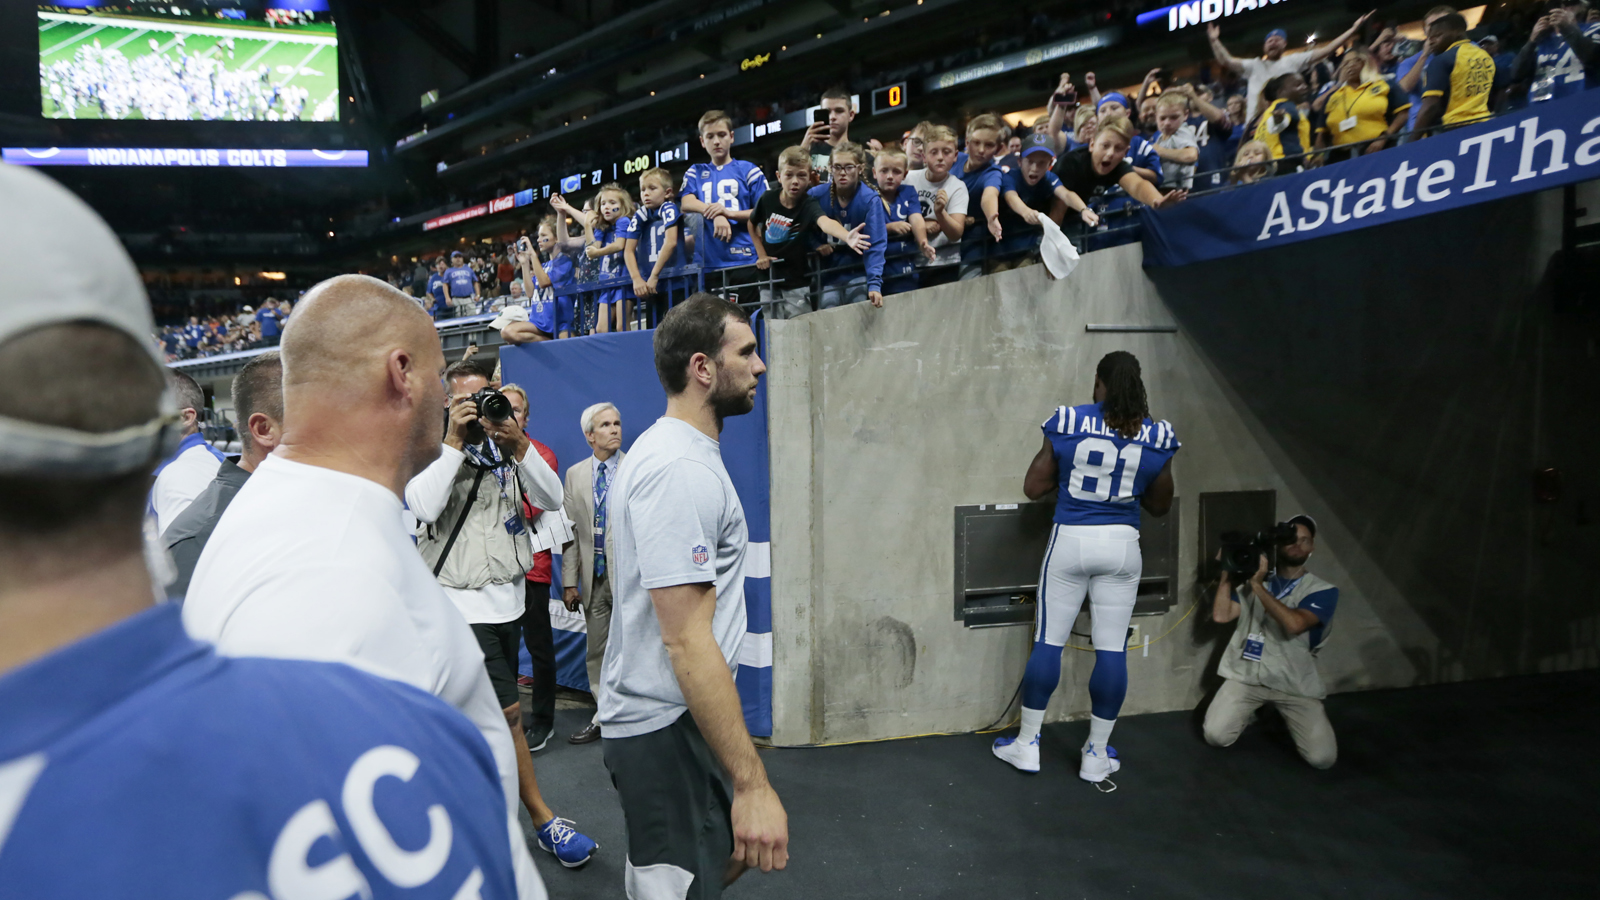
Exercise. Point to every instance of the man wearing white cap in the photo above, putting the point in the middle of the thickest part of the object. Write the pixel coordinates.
(199, 795)
(312, 561)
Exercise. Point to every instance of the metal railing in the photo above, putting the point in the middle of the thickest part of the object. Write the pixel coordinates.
(754, 288)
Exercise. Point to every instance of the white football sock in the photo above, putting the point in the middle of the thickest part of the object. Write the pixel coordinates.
(1100, 732)
(1032, 721)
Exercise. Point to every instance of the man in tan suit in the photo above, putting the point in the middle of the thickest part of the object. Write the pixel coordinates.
(583, 562)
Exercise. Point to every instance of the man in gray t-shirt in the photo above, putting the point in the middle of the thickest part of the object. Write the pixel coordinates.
(675, 519)
(695, 797)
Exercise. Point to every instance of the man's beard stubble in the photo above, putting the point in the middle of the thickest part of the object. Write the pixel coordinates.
(727, 399)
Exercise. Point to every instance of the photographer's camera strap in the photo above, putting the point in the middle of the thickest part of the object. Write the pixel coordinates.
(472, 497)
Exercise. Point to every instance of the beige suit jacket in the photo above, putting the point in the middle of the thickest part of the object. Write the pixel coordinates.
(577, 560)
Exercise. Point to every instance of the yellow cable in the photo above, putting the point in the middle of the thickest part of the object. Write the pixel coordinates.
(1012, 724)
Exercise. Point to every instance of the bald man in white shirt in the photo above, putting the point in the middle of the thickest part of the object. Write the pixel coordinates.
(312, 561)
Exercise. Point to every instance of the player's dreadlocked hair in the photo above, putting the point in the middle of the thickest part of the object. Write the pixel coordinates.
(1125, 405)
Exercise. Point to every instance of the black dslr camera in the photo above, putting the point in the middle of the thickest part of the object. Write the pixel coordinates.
(494, 407)
(1241, 552)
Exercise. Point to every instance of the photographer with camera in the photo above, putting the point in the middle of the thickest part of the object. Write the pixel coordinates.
(474, 535)
(1283, 616)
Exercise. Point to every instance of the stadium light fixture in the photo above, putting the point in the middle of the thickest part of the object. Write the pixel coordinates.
(272, 276)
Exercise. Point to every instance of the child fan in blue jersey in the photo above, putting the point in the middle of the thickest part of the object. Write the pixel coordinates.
(654, 247)
(851, 203)
(607, 231)
(1104, 460)
(723, 191)
(783, 226)
(549, 279)
(903, 222)
(981, 174)
(1029, 191)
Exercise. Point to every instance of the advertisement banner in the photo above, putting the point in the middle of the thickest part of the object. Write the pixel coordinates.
(1548, 145)
(1083, 43)
(181, 156)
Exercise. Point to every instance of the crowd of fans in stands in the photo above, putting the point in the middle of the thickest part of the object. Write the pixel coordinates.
(212, 335)
(841, 218)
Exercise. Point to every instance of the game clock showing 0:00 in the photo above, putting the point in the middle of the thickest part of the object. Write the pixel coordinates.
(635, 165)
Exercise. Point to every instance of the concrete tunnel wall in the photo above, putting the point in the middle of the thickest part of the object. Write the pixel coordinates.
(881, 421)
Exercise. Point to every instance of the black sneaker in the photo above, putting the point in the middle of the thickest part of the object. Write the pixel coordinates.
(535, 744)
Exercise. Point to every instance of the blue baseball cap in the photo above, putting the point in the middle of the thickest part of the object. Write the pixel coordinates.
(1112, 97)
(1037, 143)
(1280, 33)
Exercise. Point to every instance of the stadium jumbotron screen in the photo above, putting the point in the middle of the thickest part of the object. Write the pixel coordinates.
(192, 60)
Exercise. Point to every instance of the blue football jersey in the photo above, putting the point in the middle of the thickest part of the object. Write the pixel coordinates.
(328, 782)
(545, 308)
(1558, 63)
(612, 266)
(650, 228)
(460, 279)
(737, 185)
(1103, 474)
(900, 256)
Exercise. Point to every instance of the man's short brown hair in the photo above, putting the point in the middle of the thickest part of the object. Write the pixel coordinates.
(113, 383)
(466, 368)
(258, 388)
(694, 326)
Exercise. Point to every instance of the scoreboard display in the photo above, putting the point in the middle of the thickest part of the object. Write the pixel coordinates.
(889, 98)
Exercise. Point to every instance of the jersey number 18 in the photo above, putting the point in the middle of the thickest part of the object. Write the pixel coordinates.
(727, 194)
(1103, 471)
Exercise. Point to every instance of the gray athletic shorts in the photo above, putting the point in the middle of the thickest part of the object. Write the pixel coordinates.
(677, 803)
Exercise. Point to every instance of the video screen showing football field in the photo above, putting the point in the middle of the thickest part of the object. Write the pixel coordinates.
(190, 67)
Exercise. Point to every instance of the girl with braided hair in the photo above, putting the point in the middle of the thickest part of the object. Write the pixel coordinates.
(1104, 460)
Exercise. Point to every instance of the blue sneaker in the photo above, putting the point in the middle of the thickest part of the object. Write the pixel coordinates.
(570, 846)
(1013, 751)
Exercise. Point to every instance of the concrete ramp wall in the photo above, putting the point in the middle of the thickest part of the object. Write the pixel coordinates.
(882, 421)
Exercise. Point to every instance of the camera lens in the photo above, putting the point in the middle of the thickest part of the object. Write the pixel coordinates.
(493, 405)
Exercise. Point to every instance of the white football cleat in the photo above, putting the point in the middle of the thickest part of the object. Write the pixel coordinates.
(1023, 756)
(1096, 766)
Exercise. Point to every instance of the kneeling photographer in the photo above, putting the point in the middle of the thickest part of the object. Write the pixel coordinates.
(474, 535)
(1283, 618)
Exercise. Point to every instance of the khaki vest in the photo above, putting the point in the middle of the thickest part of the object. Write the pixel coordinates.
(484, 552)
(1287, 663)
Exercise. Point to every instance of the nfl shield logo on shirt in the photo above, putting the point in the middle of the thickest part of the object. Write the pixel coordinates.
(701, 554)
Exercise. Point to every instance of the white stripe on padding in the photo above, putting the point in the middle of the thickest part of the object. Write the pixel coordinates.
(756, 650)
(562, 619)
(662, 881)
(758, 560)
(17, 778)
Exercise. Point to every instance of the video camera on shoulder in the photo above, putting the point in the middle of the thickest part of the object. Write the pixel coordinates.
(1241, 552)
